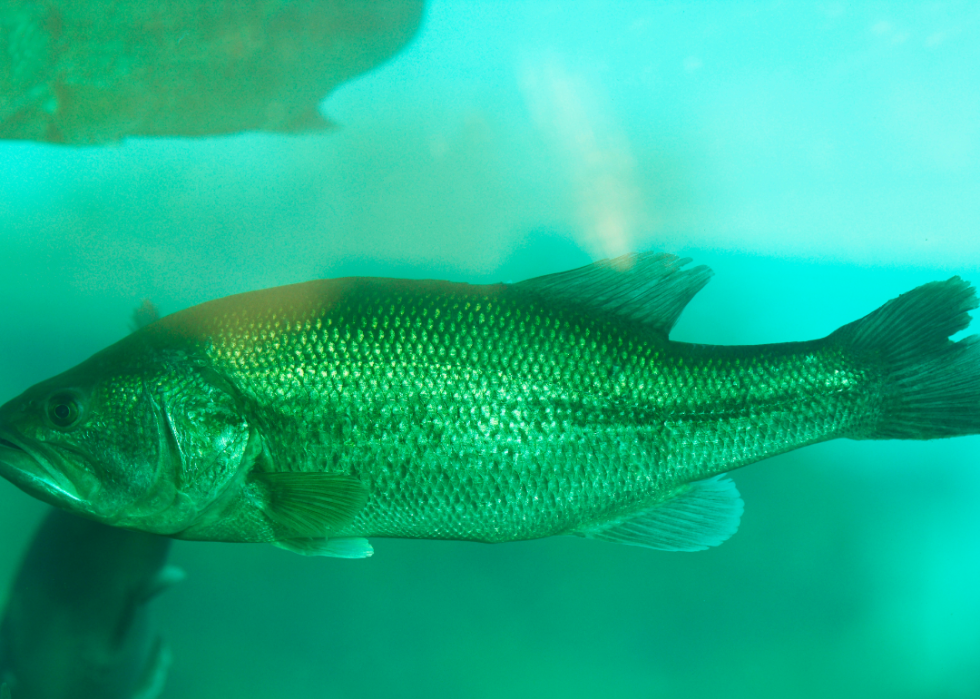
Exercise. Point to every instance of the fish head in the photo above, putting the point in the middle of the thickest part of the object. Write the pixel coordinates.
(146, 443)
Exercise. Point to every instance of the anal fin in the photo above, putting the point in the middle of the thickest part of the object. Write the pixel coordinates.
(697, 516)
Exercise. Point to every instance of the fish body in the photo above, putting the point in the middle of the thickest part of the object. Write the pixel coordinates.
(77, 624)
(78, 72)
(317, 415)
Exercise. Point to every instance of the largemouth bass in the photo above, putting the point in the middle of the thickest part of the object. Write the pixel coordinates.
(317, 415)
(77, 623)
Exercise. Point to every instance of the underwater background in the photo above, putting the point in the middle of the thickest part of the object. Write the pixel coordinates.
(821, 157)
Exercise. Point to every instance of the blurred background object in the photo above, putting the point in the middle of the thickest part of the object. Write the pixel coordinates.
(77, 623)
(82, 72)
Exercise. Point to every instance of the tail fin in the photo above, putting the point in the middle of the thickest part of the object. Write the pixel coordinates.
(932, 385)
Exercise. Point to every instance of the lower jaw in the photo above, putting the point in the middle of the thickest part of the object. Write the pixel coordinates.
(25, 472)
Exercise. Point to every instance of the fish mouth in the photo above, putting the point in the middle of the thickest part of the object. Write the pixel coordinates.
(29, 470)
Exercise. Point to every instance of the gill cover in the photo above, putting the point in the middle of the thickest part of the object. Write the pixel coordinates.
(201, 442)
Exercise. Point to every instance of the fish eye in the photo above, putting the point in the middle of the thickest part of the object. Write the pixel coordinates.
(63, 410)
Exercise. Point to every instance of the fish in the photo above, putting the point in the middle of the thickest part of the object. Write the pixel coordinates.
(77, 622)
(320, 415)
(81, 73)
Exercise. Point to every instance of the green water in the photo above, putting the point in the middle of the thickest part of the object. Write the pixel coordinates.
(820, 157)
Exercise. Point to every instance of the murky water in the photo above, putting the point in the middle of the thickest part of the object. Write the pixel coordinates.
(820, 157)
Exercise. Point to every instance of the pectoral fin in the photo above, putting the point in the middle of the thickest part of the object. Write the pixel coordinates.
(310, 505)
(167, 577)
(155, 672)
(699, 515)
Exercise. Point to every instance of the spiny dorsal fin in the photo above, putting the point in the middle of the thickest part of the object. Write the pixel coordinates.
(699, 515)
(144, 314)
(310, 505)
(648, 287)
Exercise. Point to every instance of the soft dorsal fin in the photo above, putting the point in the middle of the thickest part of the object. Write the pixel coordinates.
(648, 287)
(697, 516)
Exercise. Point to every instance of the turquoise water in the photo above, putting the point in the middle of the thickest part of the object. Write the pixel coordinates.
(820, 157)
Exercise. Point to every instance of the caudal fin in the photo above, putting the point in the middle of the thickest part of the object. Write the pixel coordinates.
(932, 384)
